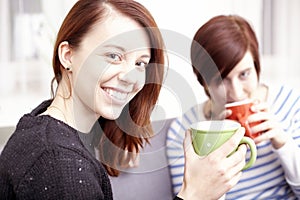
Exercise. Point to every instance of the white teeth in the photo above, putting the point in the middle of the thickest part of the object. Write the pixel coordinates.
(118, 95)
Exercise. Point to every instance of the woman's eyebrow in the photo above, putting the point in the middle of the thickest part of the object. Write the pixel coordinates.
(245, 69)
(146, 56)
(123, 49)
(116, 47)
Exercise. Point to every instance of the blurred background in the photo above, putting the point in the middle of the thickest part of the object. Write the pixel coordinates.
(28, 29)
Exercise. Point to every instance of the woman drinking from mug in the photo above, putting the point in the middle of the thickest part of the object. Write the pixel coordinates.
(225, 59)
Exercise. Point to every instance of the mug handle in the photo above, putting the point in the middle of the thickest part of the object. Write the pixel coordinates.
(250, 142)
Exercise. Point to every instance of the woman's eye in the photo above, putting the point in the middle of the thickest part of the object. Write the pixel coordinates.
(141, 64)
(115, 57)
(245, 74)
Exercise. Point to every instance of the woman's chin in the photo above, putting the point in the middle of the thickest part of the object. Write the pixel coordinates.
(112, 115)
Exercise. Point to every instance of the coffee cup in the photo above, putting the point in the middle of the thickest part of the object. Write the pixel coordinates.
(211, 134)
(240, 112)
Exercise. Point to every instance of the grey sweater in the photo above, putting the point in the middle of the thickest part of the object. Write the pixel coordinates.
(45, 159)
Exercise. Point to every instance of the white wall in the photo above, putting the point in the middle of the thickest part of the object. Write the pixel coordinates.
(4, 30)
(283, 64)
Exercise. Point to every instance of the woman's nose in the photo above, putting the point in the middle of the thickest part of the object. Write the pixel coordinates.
(129, 74)
(235, 92)
(126, 77)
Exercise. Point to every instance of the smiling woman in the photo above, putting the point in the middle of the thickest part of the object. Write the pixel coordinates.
(101, 74)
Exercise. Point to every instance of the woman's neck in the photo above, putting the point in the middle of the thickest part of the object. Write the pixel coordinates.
(62, 110)
(72, 112)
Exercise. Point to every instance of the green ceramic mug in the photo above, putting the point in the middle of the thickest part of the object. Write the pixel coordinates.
(211, 134)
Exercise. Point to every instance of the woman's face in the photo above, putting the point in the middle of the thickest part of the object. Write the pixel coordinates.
(240, 83)
(109, 66)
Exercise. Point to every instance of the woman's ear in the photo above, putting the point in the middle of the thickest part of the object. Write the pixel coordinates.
(65, 54)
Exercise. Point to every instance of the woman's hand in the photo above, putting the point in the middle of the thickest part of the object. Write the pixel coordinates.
(210, 177)
(222, 115)
(269, 127)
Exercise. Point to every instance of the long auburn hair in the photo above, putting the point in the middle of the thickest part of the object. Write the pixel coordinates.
(219, 45)
(132, 129)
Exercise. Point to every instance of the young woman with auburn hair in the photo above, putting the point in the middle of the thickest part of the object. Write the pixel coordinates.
(101, 76)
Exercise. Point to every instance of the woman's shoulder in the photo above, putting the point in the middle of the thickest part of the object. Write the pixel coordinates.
(42, 144)
(181, 123)
(282, 93)
(37, 135)
(41, 155)
(192, 114)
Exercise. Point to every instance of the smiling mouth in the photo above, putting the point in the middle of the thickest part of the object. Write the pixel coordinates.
(118, 95)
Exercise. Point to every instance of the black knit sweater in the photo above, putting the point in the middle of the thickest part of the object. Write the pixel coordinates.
(45, 159)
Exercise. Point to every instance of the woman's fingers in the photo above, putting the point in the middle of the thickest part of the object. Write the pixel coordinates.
(237, 160)
(230, 145)
(260, 107)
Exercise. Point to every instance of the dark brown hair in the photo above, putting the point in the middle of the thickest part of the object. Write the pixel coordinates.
(219, 45)
(132, 129)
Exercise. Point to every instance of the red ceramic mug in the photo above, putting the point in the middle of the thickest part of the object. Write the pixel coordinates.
(240, 112)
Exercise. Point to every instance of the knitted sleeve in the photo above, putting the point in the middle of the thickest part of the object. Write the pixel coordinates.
(64, 174)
